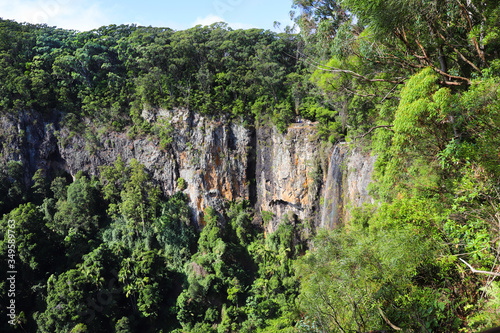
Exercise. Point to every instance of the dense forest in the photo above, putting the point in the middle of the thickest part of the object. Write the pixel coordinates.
(416, 82)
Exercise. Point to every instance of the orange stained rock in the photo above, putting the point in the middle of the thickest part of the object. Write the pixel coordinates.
(183, 158)
(226, 190)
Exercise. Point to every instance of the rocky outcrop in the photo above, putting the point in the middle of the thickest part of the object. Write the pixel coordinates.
(220, 160)
(332, 205)
(289, 173)
(346, 185)
(359, 168)
(211, 155)
(30, 139)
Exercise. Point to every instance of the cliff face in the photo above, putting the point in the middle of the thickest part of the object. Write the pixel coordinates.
(212, 156)
(29, 139)
(358, 175)
(220, 160)
(289, 173)
(346, 184)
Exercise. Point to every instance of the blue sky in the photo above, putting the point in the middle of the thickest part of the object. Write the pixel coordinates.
(177, 14)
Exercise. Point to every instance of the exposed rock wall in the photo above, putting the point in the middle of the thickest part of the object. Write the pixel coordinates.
(332, 206)
(211, 155)
(29, 139)
(219, 159)
(346, 185)
(289, 174)
(359, 168)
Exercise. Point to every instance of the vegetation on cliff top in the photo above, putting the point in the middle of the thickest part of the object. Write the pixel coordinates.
(112, 73)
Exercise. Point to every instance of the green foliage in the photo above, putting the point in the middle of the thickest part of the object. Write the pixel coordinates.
(267, 216)
(433, 179)
(164, 131)
(423, 106)
(238, 281)
(319, 21)
(145, 279)
(139, 197)
(350, 278)
(41, 184)
(11, 185)
(76, 215)
(65, 302)
(489, 317)
(80, 328)
(35, 252)
(438, 33)
(175, 233)
(181, 184)
(241, 222)
(112, 179)
(130, 193)
(123, 325)
(421, 130)
(417, 81)
(283, 115)
(271, 304)
(112, 73)
(33, 239)
(422, 80)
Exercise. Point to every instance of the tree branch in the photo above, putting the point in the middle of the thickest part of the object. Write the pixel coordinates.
(450, 83)
(371, 129)
(330, 69)
(358, 94)
(477, 271)
(385, 97)
(425, 58)
(387, 320)
(467, 17)
(459, 53)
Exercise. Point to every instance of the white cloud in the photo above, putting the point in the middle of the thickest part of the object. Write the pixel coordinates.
(69, 14)
(210, 19)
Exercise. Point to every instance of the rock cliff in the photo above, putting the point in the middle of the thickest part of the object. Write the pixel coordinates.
(290, 172)
(220, 160)
(213, 156)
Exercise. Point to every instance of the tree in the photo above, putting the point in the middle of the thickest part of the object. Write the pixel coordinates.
(12, 185)
(41, 184)
(78, 212)
(123, 325)
(146, 281)
(130, 192)
(366, 282)
(320, 18)
(139, 197)
(66, 295)
(442, 35)
(34, 251)
(175, 232)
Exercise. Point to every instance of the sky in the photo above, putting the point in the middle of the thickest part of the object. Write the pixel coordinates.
(86, 15)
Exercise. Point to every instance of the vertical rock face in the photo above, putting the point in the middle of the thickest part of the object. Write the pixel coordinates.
(332, 206)
(211, 155)
(359, 168)
(288, 175)
(346, 186)
(220, 160)
(29, 139)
